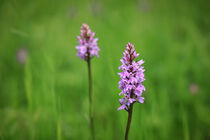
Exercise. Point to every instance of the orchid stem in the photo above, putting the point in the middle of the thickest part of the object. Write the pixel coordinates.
(130, 110)
(90, 99)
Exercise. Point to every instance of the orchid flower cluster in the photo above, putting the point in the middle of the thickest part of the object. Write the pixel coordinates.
(88, 47)
(132, 76)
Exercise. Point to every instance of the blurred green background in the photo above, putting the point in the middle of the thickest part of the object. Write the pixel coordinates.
(44, 85)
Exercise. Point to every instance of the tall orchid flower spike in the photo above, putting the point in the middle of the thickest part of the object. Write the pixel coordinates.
(87, 49)
(132, 76)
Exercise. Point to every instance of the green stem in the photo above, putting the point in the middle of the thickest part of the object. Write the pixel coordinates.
(90, 99)
(130, 110)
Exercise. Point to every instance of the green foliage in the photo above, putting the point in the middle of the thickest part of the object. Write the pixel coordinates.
(47, 97)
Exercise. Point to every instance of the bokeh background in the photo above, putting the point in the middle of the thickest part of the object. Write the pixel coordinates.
(44, 85)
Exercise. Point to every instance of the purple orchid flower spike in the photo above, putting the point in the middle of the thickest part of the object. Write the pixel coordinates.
(87, 49)
(132, 76)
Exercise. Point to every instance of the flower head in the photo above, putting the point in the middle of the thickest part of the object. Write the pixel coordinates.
(21, 55)
(88, 46)
(132, 76)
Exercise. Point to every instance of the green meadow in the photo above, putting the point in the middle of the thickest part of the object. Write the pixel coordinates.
(44, 95)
